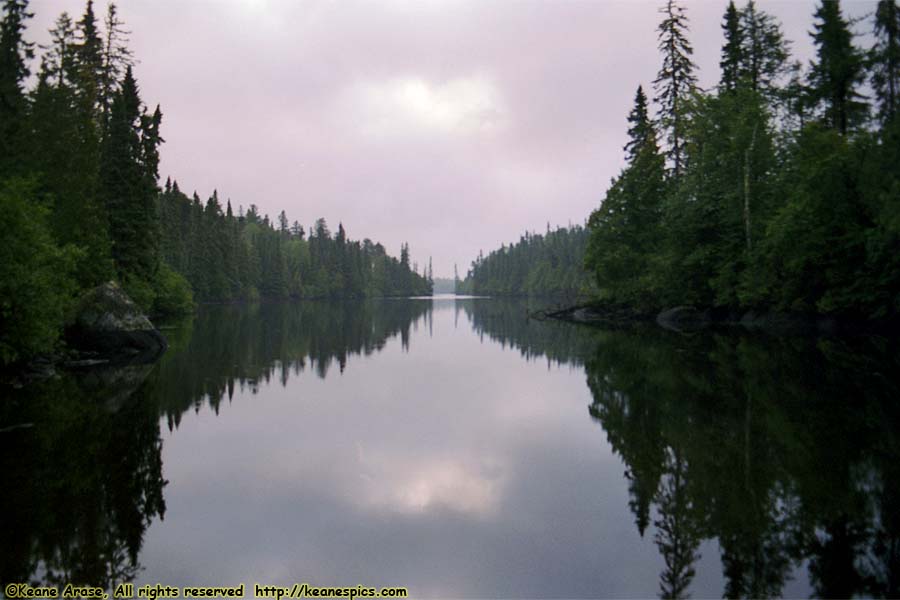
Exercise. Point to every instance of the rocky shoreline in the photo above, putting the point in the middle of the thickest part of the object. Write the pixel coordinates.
(689, 319)
(107, 329)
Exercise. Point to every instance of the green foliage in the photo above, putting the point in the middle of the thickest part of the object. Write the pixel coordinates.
(885, 58)
(732, 51)
(676, 80)
(173, 293)
(228, 257)
(64, 153)
(799, 218)
(537, 265)
(838, 69)
(15, 53)
(764, 52)
(90, 147)
(625, 232)
(142, 292)
(128, 164)
(35, 282)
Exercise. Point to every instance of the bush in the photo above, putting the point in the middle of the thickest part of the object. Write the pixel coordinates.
(36, 283)
(173, 293)
(140, 291)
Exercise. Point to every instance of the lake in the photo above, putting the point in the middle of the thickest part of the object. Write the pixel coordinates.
(454, 447)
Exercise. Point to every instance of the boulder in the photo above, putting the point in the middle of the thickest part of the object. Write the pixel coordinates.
(106, 321)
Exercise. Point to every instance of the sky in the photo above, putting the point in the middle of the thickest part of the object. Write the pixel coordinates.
(454, 126)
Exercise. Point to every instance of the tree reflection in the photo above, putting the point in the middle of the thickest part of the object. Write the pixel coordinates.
(783, 450)
(768, 450)
(242, 346)
(83, 479)
(84, 482)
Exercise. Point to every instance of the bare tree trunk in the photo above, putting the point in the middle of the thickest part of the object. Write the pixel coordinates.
(747, 155)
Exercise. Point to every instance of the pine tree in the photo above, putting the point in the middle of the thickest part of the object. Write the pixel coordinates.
(732, 51)
(89, 58)
(885, 59)
(15, 53)
(116, 57)
(64, 152)
(128, 183)
(60, 56)
(640, 128)
(837, 70)
(675, 81)
(624, 231)
(764, 53)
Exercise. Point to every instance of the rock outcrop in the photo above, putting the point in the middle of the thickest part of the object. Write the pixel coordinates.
(108, 323)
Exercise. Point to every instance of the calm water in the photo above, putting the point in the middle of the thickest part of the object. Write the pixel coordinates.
(455, 448)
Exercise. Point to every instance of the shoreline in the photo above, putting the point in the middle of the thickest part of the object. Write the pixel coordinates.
(685, 319)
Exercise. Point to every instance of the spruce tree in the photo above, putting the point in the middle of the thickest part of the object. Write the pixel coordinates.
(885, 59)
(640, 128)
(732, 51)
(117, 57)
(128, 183)
(764, 53)
(15, 53)
(90, 61)
(625, 230)
(60, 56)
(675, 81)
(838, 69)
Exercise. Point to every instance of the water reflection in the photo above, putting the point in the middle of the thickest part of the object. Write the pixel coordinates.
(82, 478)
(80, 454)
(773, 463)
(250, 346)
(784, 450)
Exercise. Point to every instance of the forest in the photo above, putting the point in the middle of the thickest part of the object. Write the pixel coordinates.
(777, 190)
(81, 203)
(536, 265)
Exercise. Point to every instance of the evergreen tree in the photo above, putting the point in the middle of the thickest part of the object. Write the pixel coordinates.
(640, 129)
(89, 59)
(128, 183)
(60, 56)
(64, 153)
(675, 81)
(15, 53)
(885, 59)
(624, 231)
(838, 69)
(116, 57)
(765, 51)
(732, 51)
(536, 265)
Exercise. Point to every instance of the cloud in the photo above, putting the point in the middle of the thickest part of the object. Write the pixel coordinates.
(417, 488)
(453, 126)
(405, 106)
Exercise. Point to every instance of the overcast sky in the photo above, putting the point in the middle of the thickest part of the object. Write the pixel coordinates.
(454, 126)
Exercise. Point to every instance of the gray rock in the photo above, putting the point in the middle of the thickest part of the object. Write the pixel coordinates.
(108, 322)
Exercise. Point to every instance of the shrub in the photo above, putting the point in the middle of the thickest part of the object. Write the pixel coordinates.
(36, 283)
(173, 293)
